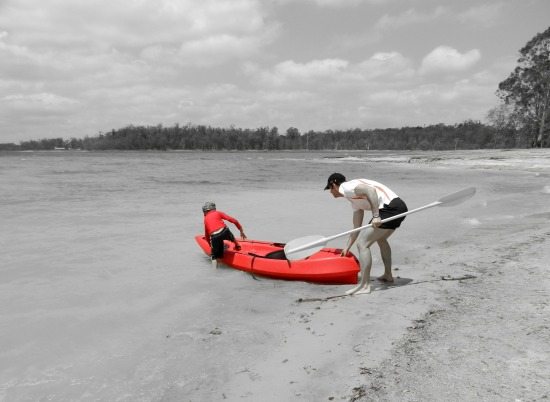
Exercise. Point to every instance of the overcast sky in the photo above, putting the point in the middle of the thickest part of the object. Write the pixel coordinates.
(71, 68)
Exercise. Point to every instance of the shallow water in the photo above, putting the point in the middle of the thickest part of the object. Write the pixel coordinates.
(105, 296)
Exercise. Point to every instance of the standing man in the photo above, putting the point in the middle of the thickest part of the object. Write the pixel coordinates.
(382, 202)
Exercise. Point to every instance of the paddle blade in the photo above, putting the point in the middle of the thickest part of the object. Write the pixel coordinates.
(457, 198)
(304, 247)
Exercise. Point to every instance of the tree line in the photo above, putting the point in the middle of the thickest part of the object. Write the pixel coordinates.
(467, 135)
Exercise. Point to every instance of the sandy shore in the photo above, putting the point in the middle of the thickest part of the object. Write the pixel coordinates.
(486, 339)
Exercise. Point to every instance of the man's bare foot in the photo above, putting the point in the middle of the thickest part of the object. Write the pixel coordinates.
(386, 278)
(359, 290)
(352, 291)
(364, 291)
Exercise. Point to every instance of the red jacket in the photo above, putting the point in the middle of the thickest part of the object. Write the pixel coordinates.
(213, 221)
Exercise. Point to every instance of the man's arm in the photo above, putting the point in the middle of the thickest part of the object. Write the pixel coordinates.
(357, 222)
(370, 194)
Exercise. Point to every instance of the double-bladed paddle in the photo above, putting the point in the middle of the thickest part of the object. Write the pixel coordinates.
(305, 246)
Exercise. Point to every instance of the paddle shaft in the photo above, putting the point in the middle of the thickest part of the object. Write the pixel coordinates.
(391, 218)
(336, 236)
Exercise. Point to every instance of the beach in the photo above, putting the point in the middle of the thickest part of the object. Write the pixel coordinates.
(105, 297)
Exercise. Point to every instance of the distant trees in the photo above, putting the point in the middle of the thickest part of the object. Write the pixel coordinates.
(9, 146)
(45, 144)
(526, 94)
(466, 135)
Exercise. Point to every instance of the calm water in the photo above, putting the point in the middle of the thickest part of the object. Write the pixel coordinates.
(105, 296)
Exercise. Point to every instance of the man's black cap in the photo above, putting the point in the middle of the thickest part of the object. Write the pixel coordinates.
(337, 178)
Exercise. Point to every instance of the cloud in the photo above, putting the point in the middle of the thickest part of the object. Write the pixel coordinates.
(387, 23)
(382, 91)
(337, 3)
(314, 69)
(345, 3)
(44, 102)
(382, 68)
(208, 51)
(408, 17)
(445, 59)
(293, 73)
(134, 26)
(485, 15)
(390, 64)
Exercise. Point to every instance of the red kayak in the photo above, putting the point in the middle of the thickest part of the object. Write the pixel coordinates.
(268, 259)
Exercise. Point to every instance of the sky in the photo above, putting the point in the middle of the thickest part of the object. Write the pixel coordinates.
(75, 68)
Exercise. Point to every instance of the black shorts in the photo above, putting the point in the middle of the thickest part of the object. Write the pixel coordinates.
(395, 207)
(216, 242)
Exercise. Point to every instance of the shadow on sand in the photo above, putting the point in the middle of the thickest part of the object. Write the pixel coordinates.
(398, 282)
(376, 285)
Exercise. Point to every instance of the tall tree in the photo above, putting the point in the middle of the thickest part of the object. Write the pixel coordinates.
(527, 89)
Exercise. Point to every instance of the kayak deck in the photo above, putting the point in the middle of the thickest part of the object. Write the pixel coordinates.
(267, 259)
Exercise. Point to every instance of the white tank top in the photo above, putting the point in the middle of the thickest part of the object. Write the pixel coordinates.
(385, 194)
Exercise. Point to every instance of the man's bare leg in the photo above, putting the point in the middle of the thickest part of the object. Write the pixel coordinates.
(365, 262)
(365, 240)
(385, 251)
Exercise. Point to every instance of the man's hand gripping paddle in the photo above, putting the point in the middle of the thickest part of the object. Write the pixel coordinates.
(305, 246)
